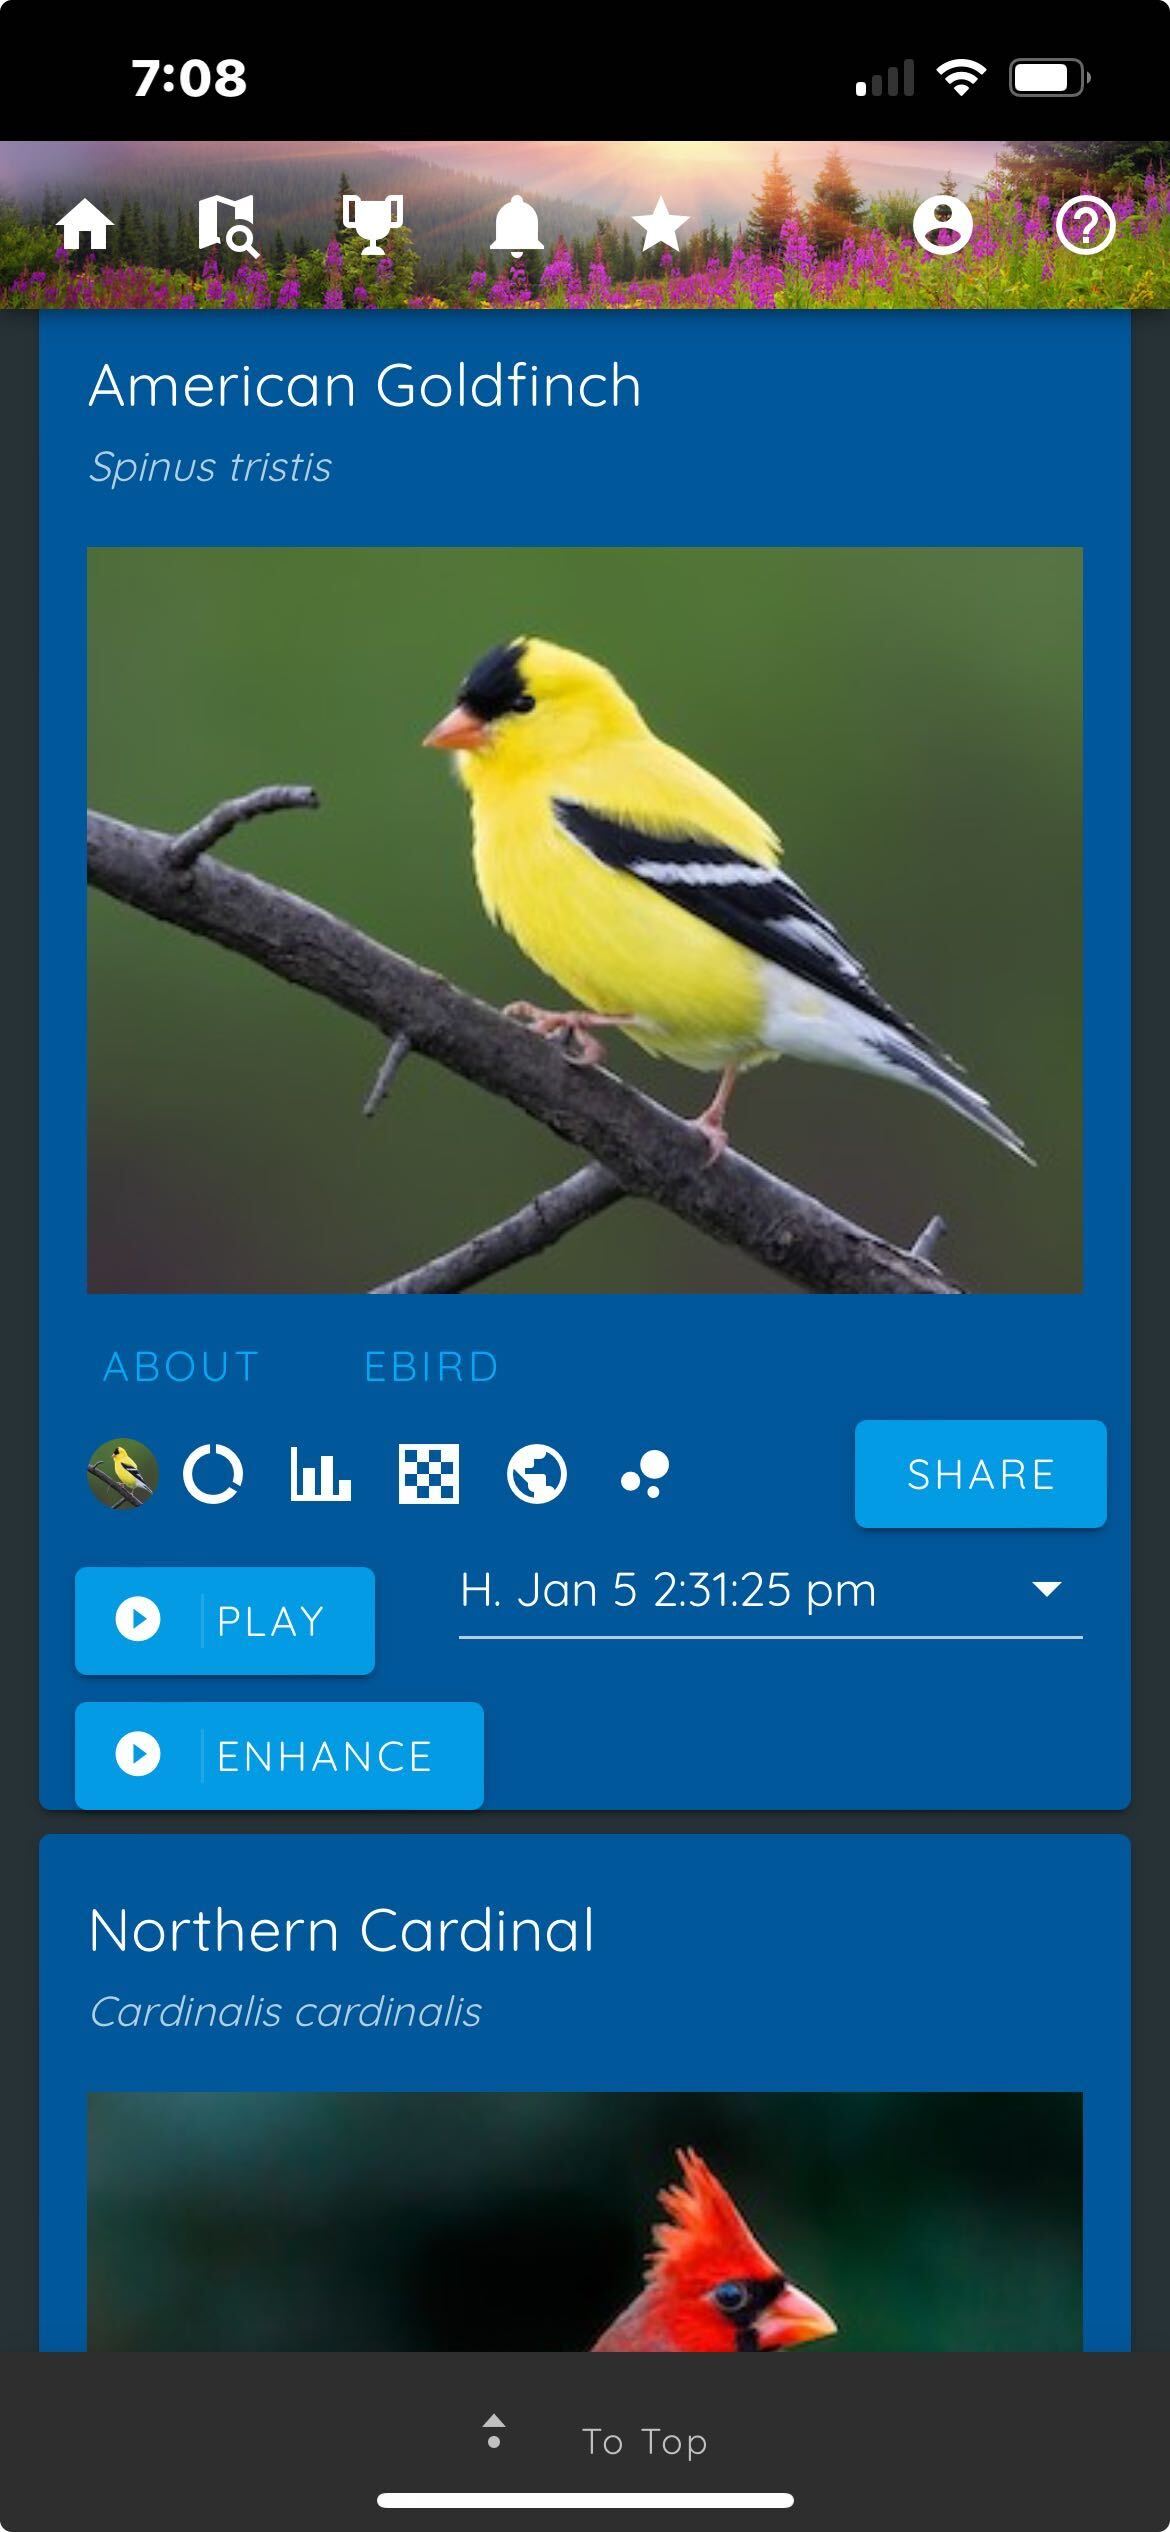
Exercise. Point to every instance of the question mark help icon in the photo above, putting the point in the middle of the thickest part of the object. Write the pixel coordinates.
(1086, 224)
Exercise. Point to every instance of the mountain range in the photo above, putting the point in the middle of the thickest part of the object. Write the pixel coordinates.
(450, 211)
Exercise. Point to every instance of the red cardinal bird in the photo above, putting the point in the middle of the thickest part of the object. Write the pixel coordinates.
(710, 2290)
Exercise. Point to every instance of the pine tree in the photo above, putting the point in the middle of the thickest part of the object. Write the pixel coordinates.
(703, 246)
(836, 205)
(137, 233)
(186, 248)
(774, 204)
(343, 187)
(1065, 167)
(160, 252)
(279, 251)
(301, 247)
(894, 213)
(604, 249)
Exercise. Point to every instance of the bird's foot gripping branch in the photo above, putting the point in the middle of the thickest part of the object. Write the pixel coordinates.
(636, 1147)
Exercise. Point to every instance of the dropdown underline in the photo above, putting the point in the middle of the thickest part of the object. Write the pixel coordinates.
(699, 1635)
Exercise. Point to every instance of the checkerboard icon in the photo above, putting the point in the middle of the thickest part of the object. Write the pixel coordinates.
(428, 1472)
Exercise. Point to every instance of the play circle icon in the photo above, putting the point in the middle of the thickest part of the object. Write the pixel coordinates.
(942, 224)
(137, 1753)
(1086, 224)
(138, 1618)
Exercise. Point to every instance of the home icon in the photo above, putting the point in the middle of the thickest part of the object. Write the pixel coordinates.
(84, 221)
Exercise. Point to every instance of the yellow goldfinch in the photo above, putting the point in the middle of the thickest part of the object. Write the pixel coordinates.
(655, 895)
(128, 1472)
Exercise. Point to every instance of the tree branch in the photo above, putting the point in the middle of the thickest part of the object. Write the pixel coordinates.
(927, 1242)
(186, 848)
(115, 1484)
(650, 1152)
(392, 1063)
(537, 1225)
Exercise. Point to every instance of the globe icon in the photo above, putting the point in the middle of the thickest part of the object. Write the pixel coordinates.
(537, 1473)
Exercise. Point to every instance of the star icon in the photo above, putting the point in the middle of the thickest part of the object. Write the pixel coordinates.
(661, 226)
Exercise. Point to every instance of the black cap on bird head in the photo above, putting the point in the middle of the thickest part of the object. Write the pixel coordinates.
(494, 686)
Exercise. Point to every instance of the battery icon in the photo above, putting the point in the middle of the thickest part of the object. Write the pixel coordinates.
(1065, 78)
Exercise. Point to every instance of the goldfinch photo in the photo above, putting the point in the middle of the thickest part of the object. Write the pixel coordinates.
(577, 921)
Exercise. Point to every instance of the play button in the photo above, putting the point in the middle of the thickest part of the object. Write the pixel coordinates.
(138, 1619)
(138, 1753)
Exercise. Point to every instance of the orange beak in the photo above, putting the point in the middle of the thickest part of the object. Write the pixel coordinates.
(462, 728)
(793, 2319)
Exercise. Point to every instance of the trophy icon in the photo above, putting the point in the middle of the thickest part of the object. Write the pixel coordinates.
(371, 220)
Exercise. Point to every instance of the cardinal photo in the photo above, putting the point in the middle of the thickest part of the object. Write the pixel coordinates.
(788, 2225)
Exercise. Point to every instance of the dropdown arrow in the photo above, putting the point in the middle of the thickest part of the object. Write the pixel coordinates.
(1046, 1588)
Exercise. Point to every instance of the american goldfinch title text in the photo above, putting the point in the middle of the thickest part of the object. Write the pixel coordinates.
(399, 385)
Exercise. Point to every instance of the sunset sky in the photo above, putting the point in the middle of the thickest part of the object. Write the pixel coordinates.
(710, 179)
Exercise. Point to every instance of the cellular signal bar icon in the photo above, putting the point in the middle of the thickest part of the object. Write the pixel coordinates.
(894, 83)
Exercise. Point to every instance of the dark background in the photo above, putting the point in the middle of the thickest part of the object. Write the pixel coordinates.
(440, 2221)
(90, 88)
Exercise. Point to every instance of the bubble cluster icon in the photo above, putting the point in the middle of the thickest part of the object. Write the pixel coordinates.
(652, 1466)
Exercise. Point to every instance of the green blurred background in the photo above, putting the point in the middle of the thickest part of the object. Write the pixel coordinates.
(910, 721)
(458, 2221)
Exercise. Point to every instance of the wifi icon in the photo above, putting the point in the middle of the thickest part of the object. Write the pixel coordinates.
(961, 75)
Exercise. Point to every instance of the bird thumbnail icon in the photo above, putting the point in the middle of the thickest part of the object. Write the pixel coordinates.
(122, 1474)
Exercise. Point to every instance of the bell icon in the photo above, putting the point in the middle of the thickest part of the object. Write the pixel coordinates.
(516, 227)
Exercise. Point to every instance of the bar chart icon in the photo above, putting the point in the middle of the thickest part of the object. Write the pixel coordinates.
(320, 1484)
(889, 83)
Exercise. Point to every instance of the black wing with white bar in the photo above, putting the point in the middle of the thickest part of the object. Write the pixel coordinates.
(755, 903)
